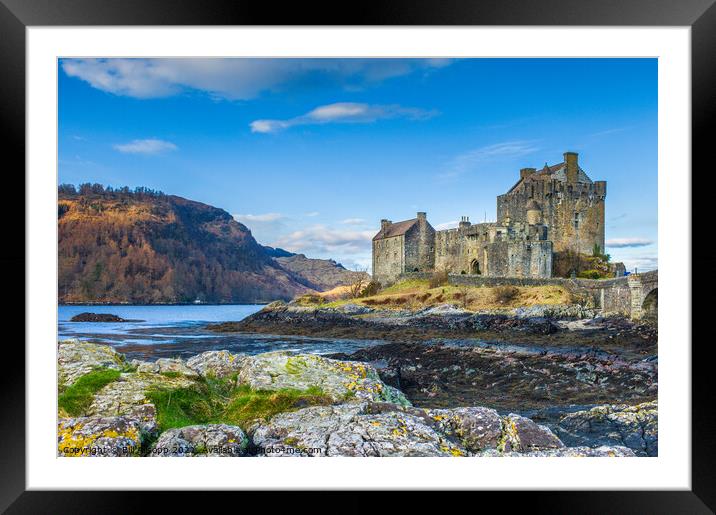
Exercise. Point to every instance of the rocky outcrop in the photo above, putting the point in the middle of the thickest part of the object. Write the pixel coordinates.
(203, 440)
(341, 380)
(382, 429)
(216, 363)
(348, 430)
(76, 358)
(99, 436)
(124, 396)
(635, 427)
(97, 317)
(168, 366)
(569, 452)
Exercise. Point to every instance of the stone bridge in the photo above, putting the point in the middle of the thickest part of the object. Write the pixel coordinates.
(644, 294)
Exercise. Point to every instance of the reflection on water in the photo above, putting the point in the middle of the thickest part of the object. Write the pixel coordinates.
(180, 331)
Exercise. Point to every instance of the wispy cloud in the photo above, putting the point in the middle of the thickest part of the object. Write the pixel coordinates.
(146, 146)
(343, 112)
(235, 78)
(476, 158)
(311, 214)
(618, 243)
(447, 225)
(353, 221)
(320, 240)
(265, 217)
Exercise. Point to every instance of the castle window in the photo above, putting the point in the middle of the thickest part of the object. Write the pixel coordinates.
(576, 220)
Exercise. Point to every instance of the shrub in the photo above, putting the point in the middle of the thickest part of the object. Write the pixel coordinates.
(371, 289)
(439, 278)
(590, 274)
(505, 294)
(310, 299)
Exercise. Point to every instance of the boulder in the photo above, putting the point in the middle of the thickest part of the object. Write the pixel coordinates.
(341, 380)
(571, 452)
(522, 434)
(216, 363)
(202, 440)
(350, 430)
(129, 393)
(476, 428)
(76, 358)
(168, 366)
(635, 427)
(99, 436)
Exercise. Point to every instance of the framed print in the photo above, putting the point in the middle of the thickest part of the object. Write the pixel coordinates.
(423, 246)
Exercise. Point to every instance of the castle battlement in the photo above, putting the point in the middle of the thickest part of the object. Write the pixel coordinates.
(553, 209)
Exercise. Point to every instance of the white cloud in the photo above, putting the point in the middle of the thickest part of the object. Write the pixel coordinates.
(353, 221)
(234, 78)
(319, 240)
(618, 243)
(312, 213)
(342, 112)
(145, 146)
(265, 217)
(474, 159)
(446, 225)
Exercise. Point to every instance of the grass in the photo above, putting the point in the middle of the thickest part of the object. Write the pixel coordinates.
(77, 398)
(417, 294)
(216, 401)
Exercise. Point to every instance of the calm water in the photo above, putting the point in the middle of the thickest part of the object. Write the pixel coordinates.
(170, 331)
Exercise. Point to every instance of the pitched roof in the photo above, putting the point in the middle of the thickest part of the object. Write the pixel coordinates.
(557, 172)
(395, 229)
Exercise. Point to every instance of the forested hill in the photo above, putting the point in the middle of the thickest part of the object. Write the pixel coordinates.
(142, 246)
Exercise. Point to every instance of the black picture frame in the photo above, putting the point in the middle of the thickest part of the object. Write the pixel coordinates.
(17, 15)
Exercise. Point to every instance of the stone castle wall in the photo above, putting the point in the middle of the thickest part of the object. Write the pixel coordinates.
(388, 259)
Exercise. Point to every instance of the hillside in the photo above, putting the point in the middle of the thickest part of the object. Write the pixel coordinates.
(320, 274)
(122, 246)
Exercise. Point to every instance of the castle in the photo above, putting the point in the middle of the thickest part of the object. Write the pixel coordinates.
(555, 209)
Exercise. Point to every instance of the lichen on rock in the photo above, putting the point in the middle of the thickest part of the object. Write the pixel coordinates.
(351, 430)
(168, 366)
(342, 380)
(99, 436)
(202, 440)
(216, 363)
(76, 358)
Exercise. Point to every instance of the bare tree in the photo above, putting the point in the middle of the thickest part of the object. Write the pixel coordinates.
(359, 282)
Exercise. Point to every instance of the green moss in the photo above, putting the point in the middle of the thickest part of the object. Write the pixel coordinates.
(217, 402)
(77, 398)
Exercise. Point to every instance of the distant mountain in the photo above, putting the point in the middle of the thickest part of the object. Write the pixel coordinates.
(142, 246)
(319, 274)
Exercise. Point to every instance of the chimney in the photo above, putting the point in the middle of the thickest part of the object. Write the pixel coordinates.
(526, 172)
(422, 216)
(464, 222)
(570, 159)
(384, 224)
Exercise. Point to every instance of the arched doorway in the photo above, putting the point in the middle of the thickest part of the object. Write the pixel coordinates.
(475, 267)
(650, 306)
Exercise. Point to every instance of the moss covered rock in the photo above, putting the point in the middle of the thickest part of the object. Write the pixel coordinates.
(342, 380)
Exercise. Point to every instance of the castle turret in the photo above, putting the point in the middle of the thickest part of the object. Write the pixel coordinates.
(464, 222)
(570, 160)
(534, 213)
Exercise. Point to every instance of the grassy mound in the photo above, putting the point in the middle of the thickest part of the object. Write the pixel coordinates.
(217, 401)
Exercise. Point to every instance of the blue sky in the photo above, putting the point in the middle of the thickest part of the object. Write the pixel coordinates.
(310, 154)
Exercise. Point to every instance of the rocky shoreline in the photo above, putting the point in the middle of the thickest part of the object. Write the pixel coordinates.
(283, 404)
